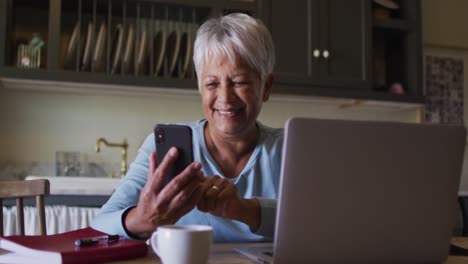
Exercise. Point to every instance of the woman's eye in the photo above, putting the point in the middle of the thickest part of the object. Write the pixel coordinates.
(211, 85)
(240, 83)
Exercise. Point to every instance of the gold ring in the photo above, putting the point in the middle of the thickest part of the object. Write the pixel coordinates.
(215, 187)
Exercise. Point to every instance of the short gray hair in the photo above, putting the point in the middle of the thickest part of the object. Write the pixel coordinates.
(234, 35)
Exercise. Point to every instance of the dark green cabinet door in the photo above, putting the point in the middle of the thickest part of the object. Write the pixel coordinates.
(321, 43)
(345, 42)
(294, 39)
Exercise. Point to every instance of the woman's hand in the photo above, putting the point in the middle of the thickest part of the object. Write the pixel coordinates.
(221, 198)
(161, 205)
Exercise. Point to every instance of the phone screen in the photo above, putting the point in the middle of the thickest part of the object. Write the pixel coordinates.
(179, 136)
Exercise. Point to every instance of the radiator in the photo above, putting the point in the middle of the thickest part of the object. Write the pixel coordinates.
(59, 219)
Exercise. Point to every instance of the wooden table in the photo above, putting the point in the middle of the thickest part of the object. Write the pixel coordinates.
(224, 253)
(220, 253)
(461, 242)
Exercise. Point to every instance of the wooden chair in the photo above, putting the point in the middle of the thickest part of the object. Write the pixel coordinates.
(22, 189)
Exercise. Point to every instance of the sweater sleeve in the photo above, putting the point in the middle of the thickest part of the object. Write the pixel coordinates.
(110, 217)
(268, 211)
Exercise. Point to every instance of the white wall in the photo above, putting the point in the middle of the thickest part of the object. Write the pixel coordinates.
(445, 23)
(36, 124)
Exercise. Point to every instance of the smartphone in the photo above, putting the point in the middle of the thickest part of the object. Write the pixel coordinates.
(179, 136)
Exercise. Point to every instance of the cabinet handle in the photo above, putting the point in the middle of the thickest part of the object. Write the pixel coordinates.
(316, 53)
(326, 54)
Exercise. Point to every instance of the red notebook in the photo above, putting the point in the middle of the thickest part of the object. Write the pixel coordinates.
(61, 248)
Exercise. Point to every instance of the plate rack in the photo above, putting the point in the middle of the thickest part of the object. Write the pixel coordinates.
(139, 38)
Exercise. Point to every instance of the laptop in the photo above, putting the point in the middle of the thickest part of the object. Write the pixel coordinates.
(366, 192)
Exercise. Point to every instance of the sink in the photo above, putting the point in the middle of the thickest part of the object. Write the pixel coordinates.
(79, 185)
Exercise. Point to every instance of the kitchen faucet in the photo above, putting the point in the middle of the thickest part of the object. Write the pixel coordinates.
(123, 145)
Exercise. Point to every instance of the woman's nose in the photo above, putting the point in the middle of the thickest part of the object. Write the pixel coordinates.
(226, 92)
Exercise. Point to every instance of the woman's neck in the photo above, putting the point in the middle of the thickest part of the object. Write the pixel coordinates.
(231, 153)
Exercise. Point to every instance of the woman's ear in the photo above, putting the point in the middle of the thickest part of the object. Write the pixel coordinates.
(267, 87)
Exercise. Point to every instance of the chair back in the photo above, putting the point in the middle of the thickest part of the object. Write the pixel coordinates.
(24, 189)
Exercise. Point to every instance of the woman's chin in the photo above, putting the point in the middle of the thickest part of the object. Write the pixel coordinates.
(230, 130)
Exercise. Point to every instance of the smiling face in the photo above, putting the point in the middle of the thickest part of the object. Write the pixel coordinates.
(232, 97)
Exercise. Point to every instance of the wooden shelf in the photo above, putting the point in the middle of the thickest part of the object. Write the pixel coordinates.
(334, 92)
(97, 78)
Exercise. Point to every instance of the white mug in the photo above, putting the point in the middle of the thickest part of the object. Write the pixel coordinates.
(182, 244)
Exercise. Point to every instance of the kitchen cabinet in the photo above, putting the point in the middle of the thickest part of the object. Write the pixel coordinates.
(346, 49)
(322, 43)
(323, 47)
(397, 50)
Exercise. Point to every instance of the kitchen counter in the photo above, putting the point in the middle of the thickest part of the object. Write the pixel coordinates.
(80, 185)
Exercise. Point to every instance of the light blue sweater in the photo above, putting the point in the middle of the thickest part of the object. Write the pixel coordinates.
(259, 178)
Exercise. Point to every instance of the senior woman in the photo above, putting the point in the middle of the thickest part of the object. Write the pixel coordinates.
(233, 183)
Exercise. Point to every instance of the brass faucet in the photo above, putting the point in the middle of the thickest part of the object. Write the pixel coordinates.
(124, 146)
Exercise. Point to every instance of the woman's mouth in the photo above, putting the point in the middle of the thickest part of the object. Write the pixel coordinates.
(227, 112)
